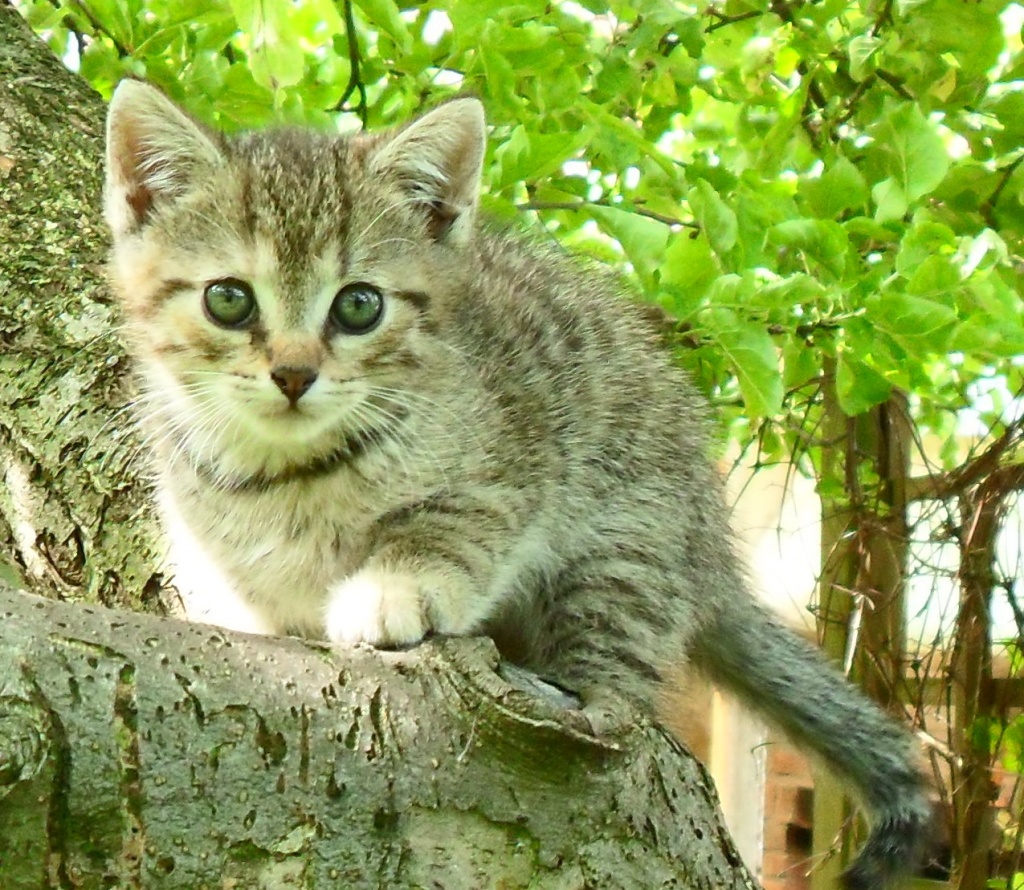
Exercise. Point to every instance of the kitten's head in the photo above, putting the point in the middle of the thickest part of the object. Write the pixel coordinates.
(282, 289)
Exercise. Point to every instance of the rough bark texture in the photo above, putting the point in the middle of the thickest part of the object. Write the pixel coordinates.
(137, 751)
(145, 752)
(73, 516)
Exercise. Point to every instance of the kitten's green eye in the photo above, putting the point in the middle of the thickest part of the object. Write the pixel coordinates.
(229, 303)
(357, 308)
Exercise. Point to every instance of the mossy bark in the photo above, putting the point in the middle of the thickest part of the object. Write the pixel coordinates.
(142, 752)
(74, 520)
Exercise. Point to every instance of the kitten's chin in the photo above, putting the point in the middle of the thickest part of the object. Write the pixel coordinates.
(292, 429)
(267, 440)
(271, 446)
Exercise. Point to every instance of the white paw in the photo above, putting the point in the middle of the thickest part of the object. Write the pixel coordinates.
(377, 607)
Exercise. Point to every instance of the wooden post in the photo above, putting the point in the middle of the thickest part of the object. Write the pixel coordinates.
(971, 672)
(861, 621)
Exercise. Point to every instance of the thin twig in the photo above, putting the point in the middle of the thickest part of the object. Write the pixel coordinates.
(98, 27)
(884, 18)
(355, 82)
(807, 122)
(986, 464)
(583, 205)
(988, 206)
(724, 20)
(815, 100)
(895, 83)
(850, 103)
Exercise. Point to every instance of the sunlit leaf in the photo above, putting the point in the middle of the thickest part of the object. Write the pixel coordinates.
(858, 386)
(642, 239)
(752, 354)
(913, 155)
(716, 219)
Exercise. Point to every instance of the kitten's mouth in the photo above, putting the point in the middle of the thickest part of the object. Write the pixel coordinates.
(292, 412)
(289, 414)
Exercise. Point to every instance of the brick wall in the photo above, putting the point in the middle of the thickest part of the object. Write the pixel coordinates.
(789, 800)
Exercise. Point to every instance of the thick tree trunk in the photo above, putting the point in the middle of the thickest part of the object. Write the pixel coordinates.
(141, 752)
(137, 751)
(73, 516)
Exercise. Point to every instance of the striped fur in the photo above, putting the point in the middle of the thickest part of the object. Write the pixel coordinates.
(507, 452)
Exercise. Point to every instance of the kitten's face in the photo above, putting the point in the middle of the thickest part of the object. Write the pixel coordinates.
(251, 346)
(281, 291)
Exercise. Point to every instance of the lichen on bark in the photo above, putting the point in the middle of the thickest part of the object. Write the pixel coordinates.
(74, 516)
(162, 755)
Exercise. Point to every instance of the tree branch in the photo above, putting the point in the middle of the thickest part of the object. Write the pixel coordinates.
(984, 466)
(723, 20)
(988, 206)
(152, 753)
(895, 83)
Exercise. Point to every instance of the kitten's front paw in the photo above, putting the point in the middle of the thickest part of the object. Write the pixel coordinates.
(377, 607)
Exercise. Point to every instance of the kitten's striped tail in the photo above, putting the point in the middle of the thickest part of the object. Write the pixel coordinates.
(791, 683)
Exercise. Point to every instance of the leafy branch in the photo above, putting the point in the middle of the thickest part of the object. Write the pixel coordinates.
(98, 27)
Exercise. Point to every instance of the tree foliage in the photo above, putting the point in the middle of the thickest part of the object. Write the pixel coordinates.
(796, 183)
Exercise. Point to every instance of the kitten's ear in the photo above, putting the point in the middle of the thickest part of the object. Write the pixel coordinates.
(154, 151)
(438, 159)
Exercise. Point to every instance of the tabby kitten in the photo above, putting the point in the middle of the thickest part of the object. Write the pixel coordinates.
(373, 418)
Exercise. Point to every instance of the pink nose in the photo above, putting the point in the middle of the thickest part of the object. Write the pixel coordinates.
(293, 382)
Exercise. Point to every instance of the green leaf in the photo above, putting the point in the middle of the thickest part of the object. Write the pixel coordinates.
(971, 34)
(716, 219)
(117, 18)
(526, 156)
(841, 188)
(784, 295)
(1008, 109)
(870, 230)
(979, 336)
(643, 240)
(469, 17)
(801, 363)
(913, 155)
(384, 14)
(823, 242)
(861, 51)
(858, 386)
(752, 355)
(688, 271)
(890, 199)
(276, 59)
(690, 31)
(921, 325)
(982, 252)
(936, 277)
(923, 240)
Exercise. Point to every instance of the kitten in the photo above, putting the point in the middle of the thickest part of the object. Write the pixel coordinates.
(373, 418)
